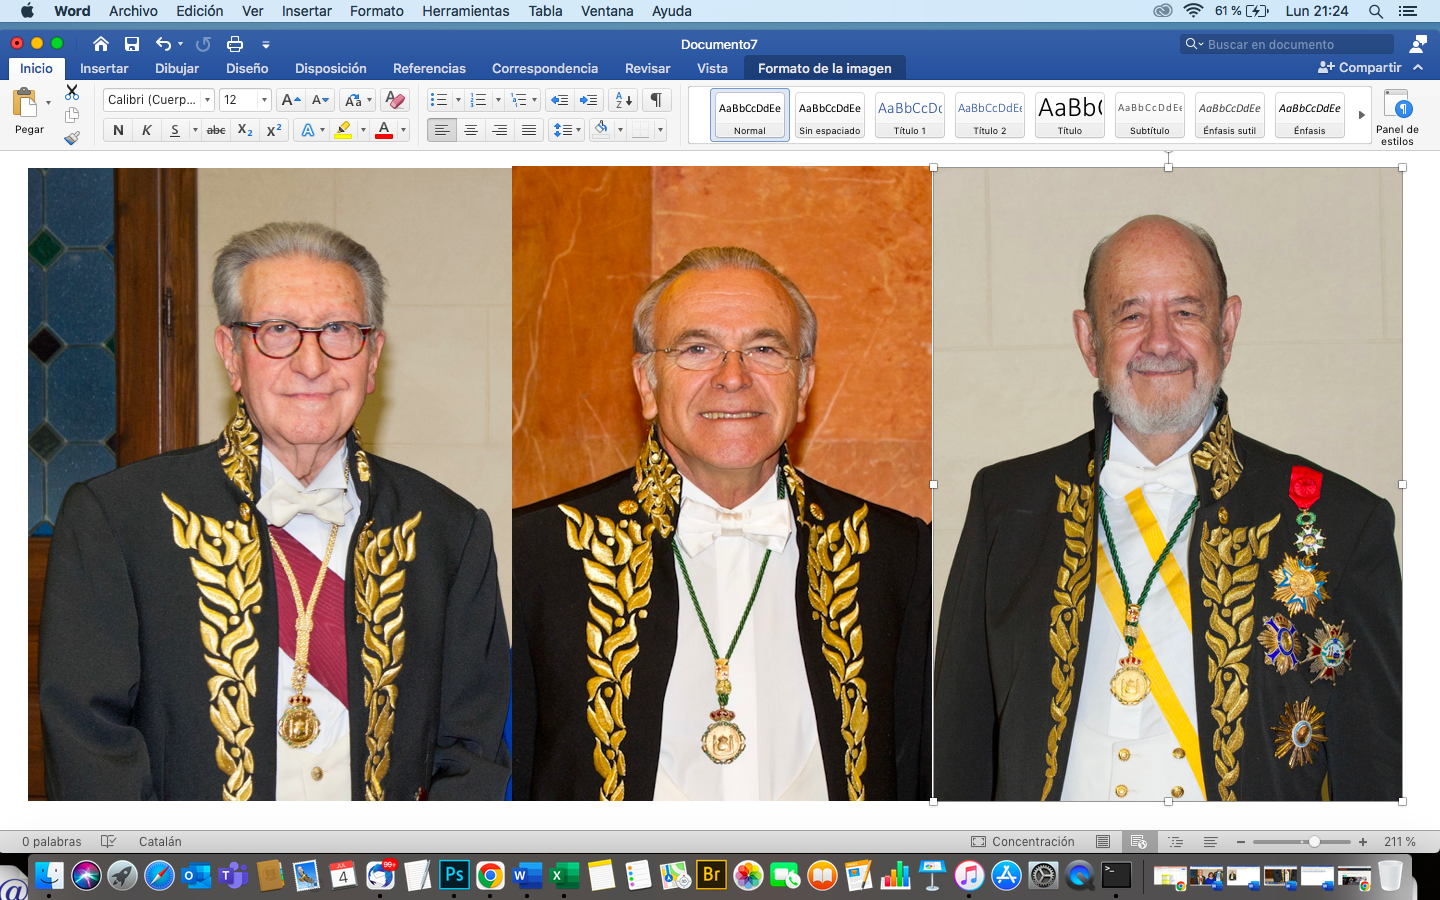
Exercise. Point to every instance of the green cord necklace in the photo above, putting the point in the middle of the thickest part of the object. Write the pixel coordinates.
(1130, 684)
(723, 741)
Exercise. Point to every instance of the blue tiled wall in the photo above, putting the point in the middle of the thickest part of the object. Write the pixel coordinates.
(72, 334)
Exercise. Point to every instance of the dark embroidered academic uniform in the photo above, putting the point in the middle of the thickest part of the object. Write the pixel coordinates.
(1019, 604)
(158, 635)
(596, 612)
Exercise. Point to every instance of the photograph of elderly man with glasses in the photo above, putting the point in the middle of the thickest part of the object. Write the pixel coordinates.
(277, 614)
(712, 623)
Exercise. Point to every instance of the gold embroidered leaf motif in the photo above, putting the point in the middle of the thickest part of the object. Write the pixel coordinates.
(608, 597)
(1217, 456)
(834, 593)
(605, 620)
(1229, 568)
(657, 484)
(1077, 503)
(239, 450)
(227, 575)
(617, 572)
(598, 574)
(379, 600)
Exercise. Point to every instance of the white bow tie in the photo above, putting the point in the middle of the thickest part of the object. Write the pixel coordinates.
(282, 502)
(700, 525)
(1119, 479)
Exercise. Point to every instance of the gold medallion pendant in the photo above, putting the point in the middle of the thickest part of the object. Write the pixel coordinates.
(723, 742)
(299, 726)
(1130, 684)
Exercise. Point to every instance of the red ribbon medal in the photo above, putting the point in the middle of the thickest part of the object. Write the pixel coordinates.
(1305, 490)
(1304, 486)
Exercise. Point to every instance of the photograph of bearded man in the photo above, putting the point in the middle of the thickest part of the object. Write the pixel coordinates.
(1163, 607)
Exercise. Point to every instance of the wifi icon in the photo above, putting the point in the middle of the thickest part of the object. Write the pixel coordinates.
(1194, 9)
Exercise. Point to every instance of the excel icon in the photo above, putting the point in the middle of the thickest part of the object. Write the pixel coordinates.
(566, 876)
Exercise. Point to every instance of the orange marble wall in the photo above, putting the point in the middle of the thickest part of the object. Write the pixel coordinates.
(855, 240)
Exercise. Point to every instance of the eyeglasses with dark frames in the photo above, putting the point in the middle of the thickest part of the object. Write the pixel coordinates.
(281, 338)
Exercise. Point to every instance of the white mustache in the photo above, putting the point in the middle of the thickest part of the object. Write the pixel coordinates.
(1160, 365)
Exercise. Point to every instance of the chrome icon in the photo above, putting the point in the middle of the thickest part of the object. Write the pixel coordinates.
(1080, 876)
(86, 875)
(489, 875)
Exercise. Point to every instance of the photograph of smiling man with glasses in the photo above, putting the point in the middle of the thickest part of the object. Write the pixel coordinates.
(278, 613)
(713, 622)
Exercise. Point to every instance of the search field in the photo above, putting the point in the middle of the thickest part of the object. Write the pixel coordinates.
(1252, 44)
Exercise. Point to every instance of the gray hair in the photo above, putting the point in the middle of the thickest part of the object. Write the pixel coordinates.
(714, 259)
(1201, 234)
(279, 240)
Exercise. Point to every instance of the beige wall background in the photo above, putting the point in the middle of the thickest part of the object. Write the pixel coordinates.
(1313, 253)
(442, 237)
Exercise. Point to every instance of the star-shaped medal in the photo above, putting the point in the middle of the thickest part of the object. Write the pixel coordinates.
(1309, 541)
(1280, 640)
(1329, 653)
(1299, 732)
(1299, 586)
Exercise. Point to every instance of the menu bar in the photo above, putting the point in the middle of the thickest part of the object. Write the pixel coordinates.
(713, 11)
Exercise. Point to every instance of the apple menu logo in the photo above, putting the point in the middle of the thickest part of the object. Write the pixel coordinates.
(27, 11)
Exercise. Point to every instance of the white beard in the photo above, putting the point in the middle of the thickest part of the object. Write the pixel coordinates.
(1182, 416)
